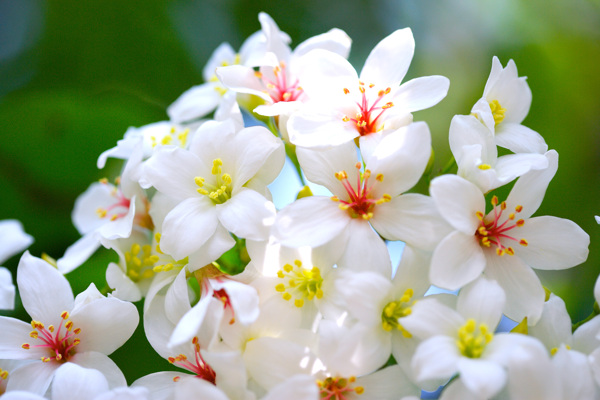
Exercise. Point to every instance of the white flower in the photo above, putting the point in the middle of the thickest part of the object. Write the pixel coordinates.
(344, 105)
(366, 203)
(474, 149)
(463, 341)
(484, 242)
(277, 81)
(83, 330)
(504, 105)
(213, 185)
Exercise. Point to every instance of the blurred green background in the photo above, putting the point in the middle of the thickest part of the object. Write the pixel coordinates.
(74, 75)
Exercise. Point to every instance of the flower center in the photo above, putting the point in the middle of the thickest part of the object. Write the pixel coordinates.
(359, 203)
(119, 208)
(395, 310)
(338, 388)
(163, 261)
(280, 88)
(173, 137)
(60, 342)
(472, 339)
(497, 111)
(198, 366)
(299, 283)
(369, 109)
(492, 231)
(220, 191)
(140, 261)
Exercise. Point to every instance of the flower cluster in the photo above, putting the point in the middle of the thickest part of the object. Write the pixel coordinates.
(302, 301)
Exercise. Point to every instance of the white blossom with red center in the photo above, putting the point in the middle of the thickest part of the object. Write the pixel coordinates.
(506, 243)
(367, 201)
(342, 105)
(276, 82)
(197, 365)
(65, 330)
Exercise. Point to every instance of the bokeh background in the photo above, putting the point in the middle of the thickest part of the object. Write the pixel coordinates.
(74, 75)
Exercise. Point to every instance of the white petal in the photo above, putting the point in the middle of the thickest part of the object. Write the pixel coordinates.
(125, 393)
(467, 130)
(313, 129)
(102, 363)
(388, 383)
(585, 338)
(310, 221)
(243, 298)
(161, 384)
(7, 290)
(320, 166)
(482, 300)
(335, 40)
(195, 102)
(242, 79)
(44, 291)
(190, 388)
(512, 166)
(481, 376)
(271, 360)
(74, 382)
(172, 170)
(14, 334)
(298, 387)
(524, 292)
(411, 218)
(436, 357)
(458, 201)
(202, 320)
(389, 60)
(224, 53)
(554, 327)
(33, 377)
(365, 250)
(553, 243)
(401, 157)
(430, 318)
(574, 369)
(529, 190)
(324, 75)
(511, 92)
(188, 226)
(520, 139)
(14, 240)
(421, 93)
(79, 252)
(215, 246)
(456, 261)
(105, 324)
(123, 287)
(247, 215)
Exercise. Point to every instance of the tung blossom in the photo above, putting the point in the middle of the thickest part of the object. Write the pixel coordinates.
(344, 105)
(81, 330)
(505, 242)
(505, 103)
(367, 202)
(219, 182)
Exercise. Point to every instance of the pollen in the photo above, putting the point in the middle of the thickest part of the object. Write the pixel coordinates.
(497, 111)
(360, 203)
(473, 339)
(346, 91)
(395, 310)
(219, 187)
(484, 166)
(494, 229)
(299, 283)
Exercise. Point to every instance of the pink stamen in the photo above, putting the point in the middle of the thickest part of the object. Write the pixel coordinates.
(200, 368)
(493, 232)
(366, 119)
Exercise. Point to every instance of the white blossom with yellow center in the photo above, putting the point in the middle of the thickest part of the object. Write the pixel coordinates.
(503, 107)
(218, 183)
